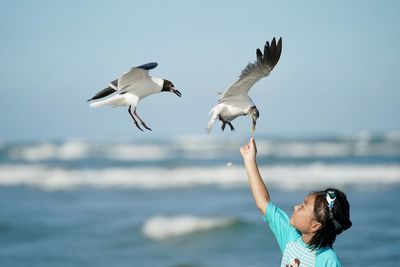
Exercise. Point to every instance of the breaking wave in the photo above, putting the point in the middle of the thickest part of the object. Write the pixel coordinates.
(164, 227)
(284, 176)
(203, 148)
(78, 150)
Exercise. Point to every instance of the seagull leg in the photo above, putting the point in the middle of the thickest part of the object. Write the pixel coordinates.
(230, 125)
(141, 121)
(223, 125)
(223, 122)
(137, 124)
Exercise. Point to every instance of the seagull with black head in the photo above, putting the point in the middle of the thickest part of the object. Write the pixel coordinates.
(235, 101)
(130, 88)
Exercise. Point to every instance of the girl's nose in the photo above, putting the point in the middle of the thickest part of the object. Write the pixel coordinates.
(295, 208)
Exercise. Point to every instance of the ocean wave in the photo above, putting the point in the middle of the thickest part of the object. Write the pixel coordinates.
(284, 176)
(78, 150)
(164, 227)
(303, 149)
(323, 149)
(71, 150)
(137, 152)
(202, 148)
(392, 136)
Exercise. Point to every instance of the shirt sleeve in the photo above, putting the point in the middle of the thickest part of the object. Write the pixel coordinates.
(280, 226)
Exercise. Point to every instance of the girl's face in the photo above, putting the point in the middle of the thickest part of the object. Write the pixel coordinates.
(303, 216)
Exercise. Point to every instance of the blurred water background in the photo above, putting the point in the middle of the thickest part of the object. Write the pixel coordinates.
(185, 201)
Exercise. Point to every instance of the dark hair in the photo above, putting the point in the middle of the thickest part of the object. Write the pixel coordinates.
(333, 222)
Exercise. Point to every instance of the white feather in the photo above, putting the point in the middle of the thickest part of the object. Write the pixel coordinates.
(117, 101)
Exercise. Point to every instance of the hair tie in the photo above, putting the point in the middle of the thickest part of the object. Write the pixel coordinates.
(331, 198)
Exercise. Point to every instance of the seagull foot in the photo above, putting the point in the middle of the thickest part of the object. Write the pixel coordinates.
(231, 126)
(137, 125)
(224, 123)
(145, 126)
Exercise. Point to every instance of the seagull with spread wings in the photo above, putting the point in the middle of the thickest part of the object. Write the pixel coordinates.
(130, 88)
(235, 101)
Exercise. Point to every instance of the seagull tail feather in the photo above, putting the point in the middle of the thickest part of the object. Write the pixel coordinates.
(214, 115)
(97, 104)
(117, 100)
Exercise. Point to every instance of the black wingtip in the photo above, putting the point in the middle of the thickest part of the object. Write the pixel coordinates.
(259, 55)
(277, 51)
(272, 52)
(105, 92)
(148, 66)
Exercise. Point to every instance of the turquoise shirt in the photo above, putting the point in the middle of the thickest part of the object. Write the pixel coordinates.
(295, 251)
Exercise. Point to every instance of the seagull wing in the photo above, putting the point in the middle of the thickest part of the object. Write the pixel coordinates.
(134, 76)
(106, 91)
(255, 71)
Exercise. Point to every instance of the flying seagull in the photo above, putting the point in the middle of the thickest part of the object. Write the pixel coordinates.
(131, 87)
(235, 101)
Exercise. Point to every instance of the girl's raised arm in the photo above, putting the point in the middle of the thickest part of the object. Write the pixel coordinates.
(257, 186)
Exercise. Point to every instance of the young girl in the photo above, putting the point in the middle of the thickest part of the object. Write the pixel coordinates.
(307, 237)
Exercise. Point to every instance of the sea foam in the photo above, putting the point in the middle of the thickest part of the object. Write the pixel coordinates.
(284, 176)
(165, 227)
(71, 150)
(201, 148)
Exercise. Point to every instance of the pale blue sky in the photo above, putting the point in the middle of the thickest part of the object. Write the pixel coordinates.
(338, 70)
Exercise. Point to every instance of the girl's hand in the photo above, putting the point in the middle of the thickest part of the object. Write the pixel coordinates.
(249, 151)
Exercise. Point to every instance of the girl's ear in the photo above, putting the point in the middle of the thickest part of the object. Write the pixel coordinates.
(315, 225)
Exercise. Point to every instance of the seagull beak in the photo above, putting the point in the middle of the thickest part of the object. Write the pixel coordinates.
(254, 124)
(254, 119)
(175, 91)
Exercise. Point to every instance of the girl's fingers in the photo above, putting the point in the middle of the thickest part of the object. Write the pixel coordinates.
(253, 144)
(252, 141)
(244, 148)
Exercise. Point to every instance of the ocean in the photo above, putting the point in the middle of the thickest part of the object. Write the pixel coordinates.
(185, 202)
